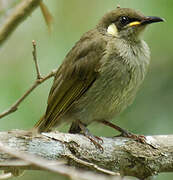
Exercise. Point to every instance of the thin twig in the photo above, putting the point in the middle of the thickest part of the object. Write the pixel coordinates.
(14, 107)
(38, 81)
(91, 165)
(34, 53)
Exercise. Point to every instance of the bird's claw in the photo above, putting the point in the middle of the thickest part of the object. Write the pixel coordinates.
(138, 138)
(94, 140)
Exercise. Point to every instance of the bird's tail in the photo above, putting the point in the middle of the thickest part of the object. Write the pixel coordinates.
(40, 126)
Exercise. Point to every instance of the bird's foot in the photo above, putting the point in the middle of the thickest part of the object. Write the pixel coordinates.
(138, 138)
(125, 133)
(93, 139)
(79, 127)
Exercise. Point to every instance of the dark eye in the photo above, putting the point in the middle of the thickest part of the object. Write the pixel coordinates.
(124, 20)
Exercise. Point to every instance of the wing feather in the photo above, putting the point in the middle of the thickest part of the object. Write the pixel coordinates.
(74, 77)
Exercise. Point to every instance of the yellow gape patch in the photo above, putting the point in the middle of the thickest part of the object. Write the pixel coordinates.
(112, 29)
(135, 23)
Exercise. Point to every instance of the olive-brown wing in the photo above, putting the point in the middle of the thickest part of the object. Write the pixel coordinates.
(74, 77)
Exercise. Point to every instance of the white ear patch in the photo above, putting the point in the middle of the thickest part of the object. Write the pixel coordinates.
(112, 29)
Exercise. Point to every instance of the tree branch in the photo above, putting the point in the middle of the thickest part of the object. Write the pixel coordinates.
(57, 167)
(39, 80)
(14, 107)
(34, 53)
(18, 15)
(122, 155)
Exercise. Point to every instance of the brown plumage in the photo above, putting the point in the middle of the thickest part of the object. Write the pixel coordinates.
(101, 74)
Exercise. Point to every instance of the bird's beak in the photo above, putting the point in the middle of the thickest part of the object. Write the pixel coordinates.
(151, 19)
(147, 20)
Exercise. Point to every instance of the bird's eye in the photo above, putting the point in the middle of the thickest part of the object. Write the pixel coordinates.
(124, 20)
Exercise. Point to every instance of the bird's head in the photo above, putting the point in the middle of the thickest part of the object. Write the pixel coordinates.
(125, 23)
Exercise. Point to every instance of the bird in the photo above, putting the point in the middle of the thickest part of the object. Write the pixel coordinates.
(100, 76)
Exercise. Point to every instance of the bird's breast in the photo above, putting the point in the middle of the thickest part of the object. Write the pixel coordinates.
(121, 74)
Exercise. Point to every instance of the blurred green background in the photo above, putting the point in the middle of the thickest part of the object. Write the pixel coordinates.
(152, 111)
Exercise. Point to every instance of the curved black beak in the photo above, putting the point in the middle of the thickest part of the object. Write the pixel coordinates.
(151, 19)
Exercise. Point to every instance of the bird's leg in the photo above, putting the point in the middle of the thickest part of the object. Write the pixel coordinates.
(78, 127)
(125, 133)
(74, 129)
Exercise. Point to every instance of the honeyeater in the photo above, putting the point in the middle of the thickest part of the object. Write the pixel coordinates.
(101, 74)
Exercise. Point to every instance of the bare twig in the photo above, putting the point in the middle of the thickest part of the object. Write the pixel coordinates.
(34, 53)
(14, 107)
(18, 15)
(39, 80)
(91, 165)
